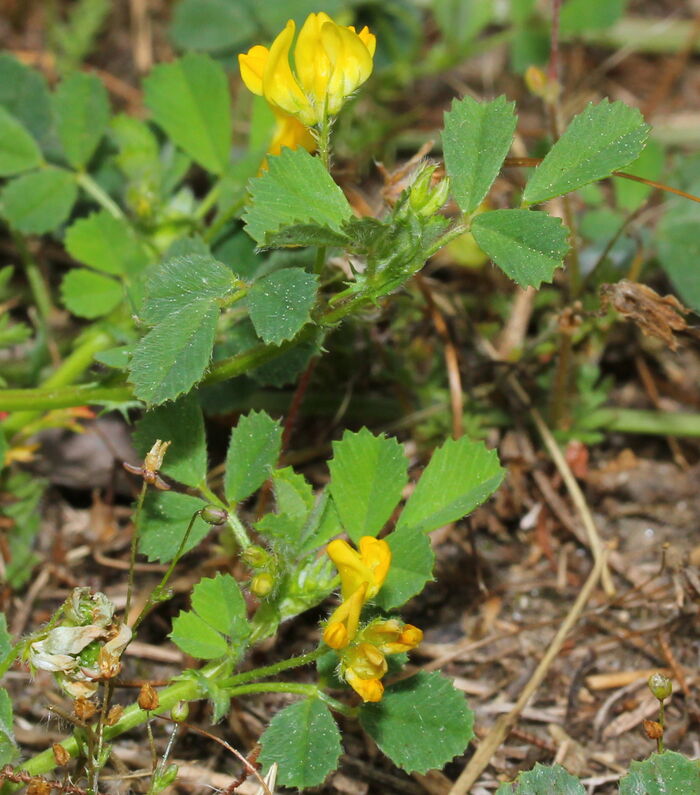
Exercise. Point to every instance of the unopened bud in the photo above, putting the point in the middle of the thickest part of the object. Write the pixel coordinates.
(256, 557)
(84, 708)
(541, 85)
(660, 686)
(653, 729)
(60, 754)
(148, 698)
(424, 197)
(262, 584)
(213, 515)
(164, 779)
(180, 711)
(114, 714)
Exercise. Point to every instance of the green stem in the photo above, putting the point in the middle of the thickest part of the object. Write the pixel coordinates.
(88, 184)
(40, 292)
(662, 723)
(208, 201)
(222, 219)
(45, 399)
(71, 368)
(274, 669)
(299, 689)
(136, 520)
(156, 594)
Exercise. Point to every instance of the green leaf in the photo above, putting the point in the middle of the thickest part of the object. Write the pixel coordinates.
(421, 723)
(25, 94)
(322, 525)
(368, 474)
(279, 304)
(629, 195)
(5, 639)
(195, 636)
(189, 98)
(181, 304)
(218, 601)
(527, 245)
(182, 281)
(39, 202)
(678, 240)
(602, 139)
(106, 243)
(543, 780)
(18, 150)
(182, 424)
(412, 561)
(164, 521)
(24, 512)
(81, 107)
(305, 235)
(476, 140)
(461, 20)
(89, 294)
(8, 747)
(212, 25)
(304, 741)
(461, 475)
(295, 189)
(294, 501)
(580, 15)
(668, 773)
(253, 451)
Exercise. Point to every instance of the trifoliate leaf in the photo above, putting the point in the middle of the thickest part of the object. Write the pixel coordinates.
(218, 601)
(543, 780)
(164, 521)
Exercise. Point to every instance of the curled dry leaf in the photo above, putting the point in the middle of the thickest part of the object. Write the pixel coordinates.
(656, 315)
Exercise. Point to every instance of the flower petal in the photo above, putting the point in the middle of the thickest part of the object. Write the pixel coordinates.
(280, 87)
(252, 66)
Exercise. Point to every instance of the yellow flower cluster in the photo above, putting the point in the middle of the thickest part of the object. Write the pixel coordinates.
(362, 651)
(330, 62)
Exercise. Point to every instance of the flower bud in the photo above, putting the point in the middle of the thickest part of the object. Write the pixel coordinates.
(660, 686)
(213, 515)
(335, 635)
(84, 709)
(165, 779)
(148, 698)
(180, 711)
(114, 714)
(424, 198)
(256, 557)
(262, 584)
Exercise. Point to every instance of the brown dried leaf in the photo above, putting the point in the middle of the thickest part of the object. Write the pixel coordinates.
(656, 315)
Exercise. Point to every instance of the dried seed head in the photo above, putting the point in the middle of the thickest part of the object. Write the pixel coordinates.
(653, 729)
(60, 754)
(148, 698)
(84, 708)
(114, 714)
(39, 786)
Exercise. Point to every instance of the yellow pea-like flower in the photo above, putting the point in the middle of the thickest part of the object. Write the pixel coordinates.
(367, 689)
(343, 623)
(369, 566)
(392, 636)
(330, 62)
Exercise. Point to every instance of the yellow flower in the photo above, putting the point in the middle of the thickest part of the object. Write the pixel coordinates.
(392, 636)
(342, 625)
(363, 666)
(330, 62)
(290, 132)
(369, 566)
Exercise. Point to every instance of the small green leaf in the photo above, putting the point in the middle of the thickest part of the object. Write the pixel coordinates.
(678, 240)
(527, 245)
(106, 243)
(304, 741)
(8, 747)
(322, 525)
(89, 294)
(81, 107)
(182, 424)
(543, 780)
(189, 98)
(279, 304)
(182, 281)
(421, 723)
(295, 189)
(18, 150)
(181, 304)
(668, 773)
(194, 636)
(368, 474)
(476, 140)
(252, 453)
(603, 138)
(461, 475)
(412, 561)
(218, 601)
(164, 521)
(305, 235)
(294, 500)
(25, 94)
(212, 25)
(7, 650)
(39, 202)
